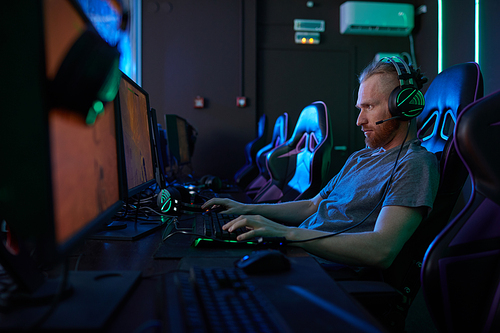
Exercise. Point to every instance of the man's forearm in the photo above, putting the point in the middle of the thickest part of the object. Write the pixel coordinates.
(290, 213)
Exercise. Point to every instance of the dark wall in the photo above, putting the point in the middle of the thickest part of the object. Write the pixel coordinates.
(490, 45)
(223, 49)
(459, 37)
(203, 48)
(291, 76)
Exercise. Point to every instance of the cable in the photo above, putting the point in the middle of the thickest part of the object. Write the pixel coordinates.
(371, 212)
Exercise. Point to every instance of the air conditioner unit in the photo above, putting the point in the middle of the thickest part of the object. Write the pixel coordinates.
(376, 18)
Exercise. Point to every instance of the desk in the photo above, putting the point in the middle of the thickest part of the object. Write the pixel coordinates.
(308, 299)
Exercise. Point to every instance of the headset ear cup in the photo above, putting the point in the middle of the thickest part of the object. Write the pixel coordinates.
(168, 200)
(393, 104)
(410, 102)
(172, 199)
(184, 195)
(90, 65)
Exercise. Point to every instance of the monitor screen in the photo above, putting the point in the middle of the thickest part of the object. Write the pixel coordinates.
(76, 188)
(178, 140)
(61, 176)
(136, 136)
(83, 158)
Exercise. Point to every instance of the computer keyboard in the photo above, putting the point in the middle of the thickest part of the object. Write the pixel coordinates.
(221, 300)
(213, 223)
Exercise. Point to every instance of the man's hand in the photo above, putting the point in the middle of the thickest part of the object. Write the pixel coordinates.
(225, 206)
(257, 226)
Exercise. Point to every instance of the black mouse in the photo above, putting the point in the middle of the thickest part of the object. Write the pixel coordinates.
(264, 261)
(215, 209)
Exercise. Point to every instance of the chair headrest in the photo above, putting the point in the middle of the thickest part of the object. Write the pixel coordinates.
(477, 134)
(451, 91)
(280, 128)
(312, 119)
(262, 126)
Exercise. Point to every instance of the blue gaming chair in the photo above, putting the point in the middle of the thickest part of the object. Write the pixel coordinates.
(301, 166)
(461, 269)
(280, 135)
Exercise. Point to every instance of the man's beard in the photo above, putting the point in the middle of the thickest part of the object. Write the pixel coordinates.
(385, 135)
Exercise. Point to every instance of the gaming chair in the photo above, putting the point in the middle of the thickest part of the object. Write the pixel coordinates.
(461, 269)
(280, 134)
(249, 171)
(301, 166)
(447, 96)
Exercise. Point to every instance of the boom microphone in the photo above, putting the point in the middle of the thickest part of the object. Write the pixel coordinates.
(383, 121)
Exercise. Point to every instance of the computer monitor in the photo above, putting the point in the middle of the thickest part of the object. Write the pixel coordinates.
(78, 190)
(59, 182)
(157, 149)
(136, 136)
(178, 140)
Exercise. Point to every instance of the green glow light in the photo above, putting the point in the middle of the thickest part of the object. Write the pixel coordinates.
(440, 36)
(91, 117)
(98, 107)
(476, 32)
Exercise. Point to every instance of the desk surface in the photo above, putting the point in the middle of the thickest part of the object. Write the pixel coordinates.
(305, 295)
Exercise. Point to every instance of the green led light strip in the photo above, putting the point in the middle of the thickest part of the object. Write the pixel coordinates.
(476, 32)
(440, 36)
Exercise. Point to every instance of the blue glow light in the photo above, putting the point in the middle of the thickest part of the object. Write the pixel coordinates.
(106, 21)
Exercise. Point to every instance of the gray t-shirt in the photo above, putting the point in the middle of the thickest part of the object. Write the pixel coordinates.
(356, 190)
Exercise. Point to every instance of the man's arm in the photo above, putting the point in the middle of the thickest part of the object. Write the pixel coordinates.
(290, 213)
(379, 248)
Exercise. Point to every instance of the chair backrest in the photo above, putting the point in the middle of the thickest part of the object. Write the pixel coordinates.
(280, 135)
(446, 98)
(301, 166)
(461, 269)
(249, 171)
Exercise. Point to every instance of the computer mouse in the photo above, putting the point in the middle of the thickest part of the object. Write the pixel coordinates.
(215, 209)
(264, 261)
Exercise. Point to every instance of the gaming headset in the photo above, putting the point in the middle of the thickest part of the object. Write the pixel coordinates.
(406, 101)
(186, 198)
(89, 75)
(177, 200)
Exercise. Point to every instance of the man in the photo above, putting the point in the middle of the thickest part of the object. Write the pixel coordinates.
(381, 222)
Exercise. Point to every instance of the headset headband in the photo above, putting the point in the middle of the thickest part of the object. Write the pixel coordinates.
(403, 78)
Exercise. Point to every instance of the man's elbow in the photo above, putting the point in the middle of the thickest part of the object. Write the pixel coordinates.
(384, 258)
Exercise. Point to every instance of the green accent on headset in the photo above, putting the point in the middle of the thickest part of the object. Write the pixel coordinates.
(111, 84)
(95, 110)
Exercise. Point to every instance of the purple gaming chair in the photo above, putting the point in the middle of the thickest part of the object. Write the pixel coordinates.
(461, 269)
(280, 135)
(301, 166)
(249, 171)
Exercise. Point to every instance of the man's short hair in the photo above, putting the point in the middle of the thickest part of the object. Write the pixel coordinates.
(377, 67)
(386, 69)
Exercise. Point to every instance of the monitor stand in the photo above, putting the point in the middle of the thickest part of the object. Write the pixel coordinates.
(131, 230)
(92, 299)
